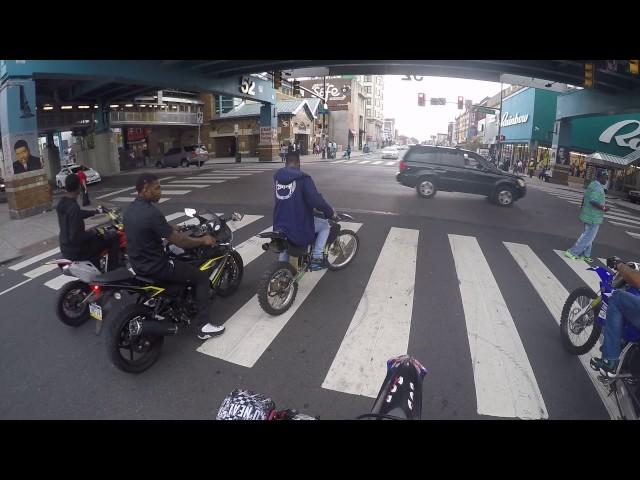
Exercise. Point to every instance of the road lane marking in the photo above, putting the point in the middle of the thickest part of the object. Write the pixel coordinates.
(553, 294)
(173, 216)
(351, 161)
(250, 331)
(15, 286)
(35, 259)
(377, 163)
(59, 281)
(381, 325)
(580, 268)
(41, 270)
(182, 184)
(505, 383)
(171, 192)
(388, 164)
(363, 162)
(131, 199)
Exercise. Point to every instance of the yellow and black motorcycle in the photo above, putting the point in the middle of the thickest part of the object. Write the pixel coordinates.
(137, 333)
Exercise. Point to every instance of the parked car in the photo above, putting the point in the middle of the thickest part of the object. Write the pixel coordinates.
(184, 156)
(92, 175)
(634, 196)
(390, 152)
(429, 169)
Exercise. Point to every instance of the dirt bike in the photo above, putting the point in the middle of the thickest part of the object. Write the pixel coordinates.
(279, 284)
(72, 302)
(584, 315)
(399, 398)
(137, 333)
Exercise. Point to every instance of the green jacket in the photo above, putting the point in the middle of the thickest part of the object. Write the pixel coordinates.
(588, 213)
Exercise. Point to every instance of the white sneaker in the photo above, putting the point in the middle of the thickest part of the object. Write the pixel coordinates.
(208, 330)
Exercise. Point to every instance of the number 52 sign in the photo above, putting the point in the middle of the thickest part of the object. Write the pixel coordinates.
(247, 86)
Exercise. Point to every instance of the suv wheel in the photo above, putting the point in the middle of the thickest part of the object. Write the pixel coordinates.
(184, 163)
(159, 164)
(504, 196)
(426, 187)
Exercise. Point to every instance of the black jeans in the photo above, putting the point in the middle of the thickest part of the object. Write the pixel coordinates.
(182, 273)
(92, 250)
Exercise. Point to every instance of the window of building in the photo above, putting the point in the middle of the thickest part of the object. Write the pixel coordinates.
(367, 78)
(368, 101)
(367, 89)
(368, 112)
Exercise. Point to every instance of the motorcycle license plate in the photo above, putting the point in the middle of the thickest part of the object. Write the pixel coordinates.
(603, 311)
(95, 311)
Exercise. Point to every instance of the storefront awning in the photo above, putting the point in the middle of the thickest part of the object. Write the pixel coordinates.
(612, 161)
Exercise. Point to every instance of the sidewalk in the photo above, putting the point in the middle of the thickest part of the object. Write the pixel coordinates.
(303, 159)
(18, 236)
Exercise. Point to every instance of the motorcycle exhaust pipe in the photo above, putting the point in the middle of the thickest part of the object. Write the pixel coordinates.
(158, 329)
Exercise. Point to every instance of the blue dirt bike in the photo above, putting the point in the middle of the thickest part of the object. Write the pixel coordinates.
(399, 398)
(584, 315)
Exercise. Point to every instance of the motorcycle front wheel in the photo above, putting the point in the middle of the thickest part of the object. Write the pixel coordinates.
(128, 351)
(277, 290)
(69, 307)
(231, 276)
(343, 250)
(579, 334)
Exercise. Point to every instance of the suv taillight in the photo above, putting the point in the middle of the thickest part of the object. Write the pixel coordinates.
(402, 165)
(193, 153)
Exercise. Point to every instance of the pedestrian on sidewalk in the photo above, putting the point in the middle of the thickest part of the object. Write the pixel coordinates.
(520, 167)
(591, 214)
(283, 151)
(83, 187)
(532, 167)
(547, 173)
(347, 152)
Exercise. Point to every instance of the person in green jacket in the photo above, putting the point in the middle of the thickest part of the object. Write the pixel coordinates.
(591, 214)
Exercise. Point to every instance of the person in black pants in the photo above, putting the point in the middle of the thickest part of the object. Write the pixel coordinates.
(145, 228)
(76, 243)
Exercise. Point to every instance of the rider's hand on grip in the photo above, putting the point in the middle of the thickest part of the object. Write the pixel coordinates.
(99, 210)
(208, 240)
(612, 262)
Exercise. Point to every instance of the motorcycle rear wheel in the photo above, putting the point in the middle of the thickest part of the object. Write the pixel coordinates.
(120, 341)
(272, 297)
(68, 304)
(570, 327)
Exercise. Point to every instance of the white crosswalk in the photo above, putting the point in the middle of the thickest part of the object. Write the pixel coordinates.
(365, 162)
(504, 380)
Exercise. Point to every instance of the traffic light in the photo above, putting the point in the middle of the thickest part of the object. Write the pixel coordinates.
(460, 103)
(634, 67)
(421, 99)
(589, 80)
(277, 80)
(296, 88)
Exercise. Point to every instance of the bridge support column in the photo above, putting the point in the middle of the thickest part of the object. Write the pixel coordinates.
(560, 147)
(106, 157)
(28, 191)
(51, 158)
(268, 148)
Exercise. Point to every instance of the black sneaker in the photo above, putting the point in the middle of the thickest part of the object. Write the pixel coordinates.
(209, 330)
(608, 367)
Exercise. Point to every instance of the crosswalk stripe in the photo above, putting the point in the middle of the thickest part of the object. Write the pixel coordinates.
(250, 331)
(363, 162)
(339, 161)
(32, 260)
(166, 191)
(505, 383)
(390, 163)
(131, 199)
(251, 249)
(41, 270)
(114, 193)
(213, 177)
(15, 286)
(625, 225)
(173, 216)
(624, 215)
(580, 267)
(553, 293)
(351, 161)
(205, 182)
(58, 282)
(183, 184)
(622, 219)
(246, 220)
(381, 324)
(634, 235)
(377, 163)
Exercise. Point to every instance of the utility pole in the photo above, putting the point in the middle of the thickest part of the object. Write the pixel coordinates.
(499, 126)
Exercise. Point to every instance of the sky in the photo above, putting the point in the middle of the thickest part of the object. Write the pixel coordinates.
(401, 102)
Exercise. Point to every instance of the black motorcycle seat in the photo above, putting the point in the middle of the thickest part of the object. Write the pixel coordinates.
(274, 235)
(117, 275)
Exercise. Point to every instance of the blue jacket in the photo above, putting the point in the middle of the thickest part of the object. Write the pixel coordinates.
(296, 196)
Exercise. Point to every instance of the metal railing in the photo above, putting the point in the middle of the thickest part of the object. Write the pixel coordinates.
(154, 117)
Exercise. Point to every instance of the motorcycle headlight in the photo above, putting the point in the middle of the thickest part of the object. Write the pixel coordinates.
(520, 183)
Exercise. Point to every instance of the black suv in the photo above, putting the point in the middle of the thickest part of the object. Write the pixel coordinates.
(430, 169)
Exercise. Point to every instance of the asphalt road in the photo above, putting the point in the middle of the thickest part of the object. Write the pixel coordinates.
(473, 292)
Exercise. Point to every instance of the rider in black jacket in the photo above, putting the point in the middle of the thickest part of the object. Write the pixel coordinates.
(76, 243)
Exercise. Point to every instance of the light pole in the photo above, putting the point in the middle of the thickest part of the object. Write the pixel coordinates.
(499, 126)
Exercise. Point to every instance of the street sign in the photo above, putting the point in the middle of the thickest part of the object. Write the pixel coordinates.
(438, 101)
(482, 109)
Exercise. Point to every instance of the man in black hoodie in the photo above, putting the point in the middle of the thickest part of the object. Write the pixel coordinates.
(75, 242)
(296, 197)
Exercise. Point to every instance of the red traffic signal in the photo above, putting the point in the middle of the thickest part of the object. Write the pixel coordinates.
(422, 99)
(460, 103)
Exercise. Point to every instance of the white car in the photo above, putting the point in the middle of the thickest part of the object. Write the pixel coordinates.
(403, 147)
(92, 175)
(390, 152)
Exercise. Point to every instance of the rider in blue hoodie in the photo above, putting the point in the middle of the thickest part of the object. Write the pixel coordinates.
(296, 198)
